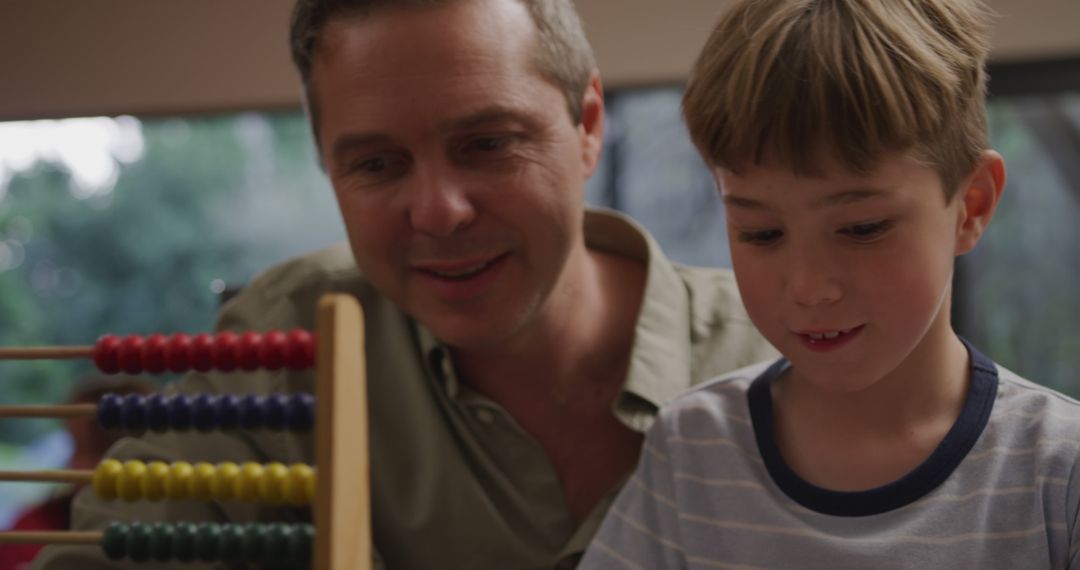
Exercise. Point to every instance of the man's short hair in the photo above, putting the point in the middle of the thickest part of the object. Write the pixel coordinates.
(789, 80)
(563, 54)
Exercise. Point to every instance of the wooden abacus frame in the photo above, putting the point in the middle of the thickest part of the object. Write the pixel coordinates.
(342, 506)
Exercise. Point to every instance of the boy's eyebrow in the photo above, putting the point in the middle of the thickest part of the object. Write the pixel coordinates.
(850, 196)
(836, 199)
(744, 203)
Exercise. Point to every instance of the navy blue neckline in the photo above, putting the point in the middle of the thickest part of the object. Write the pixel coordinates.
(909, 488)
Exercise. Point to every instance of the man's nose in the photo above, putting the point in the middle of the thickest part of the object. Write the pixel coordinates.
(440, 204)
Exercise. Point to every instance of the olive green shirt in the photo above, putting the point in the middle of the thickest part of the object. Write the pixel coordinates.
(456, 482)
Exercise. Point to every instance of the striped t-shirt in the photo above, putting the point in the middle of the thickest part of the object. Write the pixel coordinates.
(712, 490)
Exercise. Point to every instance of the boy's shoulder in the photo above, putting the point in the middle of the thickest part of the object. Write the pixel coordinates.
(1032, 406)
(719, 400)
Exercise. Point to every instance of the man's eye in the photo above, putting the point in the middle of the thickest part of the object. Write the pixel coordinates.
(489, 143)
(371, 170)
(760, 237)
(489, 146)
(868, 231)
(371, 165)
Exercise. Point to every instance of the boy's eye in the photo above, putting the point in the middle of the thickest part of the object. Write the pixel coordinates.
(868, 231)
(760, 237)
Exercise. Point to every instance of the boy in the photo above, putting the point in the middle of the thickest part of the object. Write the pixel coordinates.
(848, 141)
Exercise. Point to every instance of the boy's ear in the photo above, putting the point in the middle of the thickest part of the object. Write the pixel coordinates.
(979, 199)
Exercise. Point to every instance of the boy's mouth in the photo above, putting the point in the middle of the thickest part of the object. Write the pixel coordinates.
(827, 339)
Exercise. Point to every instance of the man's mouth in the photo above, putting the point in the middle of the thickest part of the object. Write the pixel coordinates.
(459, 273)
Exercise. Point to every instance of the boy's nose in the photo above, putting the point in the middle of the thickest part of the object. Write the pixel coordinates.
(812, 281)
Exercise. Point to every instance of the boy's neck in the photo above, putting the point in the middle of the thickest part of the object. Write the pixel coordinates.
(857, 441)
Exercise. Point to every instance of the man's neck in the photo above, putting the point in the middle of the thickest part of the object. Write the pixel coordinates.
(582, 338)
(559, 380)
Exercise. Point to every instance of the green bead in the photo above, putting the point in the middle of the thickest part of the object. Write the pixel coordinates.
(184, 543)
(138, 542)
(114, 541)
(208, 542)
(232, 542)
(301, 544)
(255, 542)
(162, 540)
(278, 539)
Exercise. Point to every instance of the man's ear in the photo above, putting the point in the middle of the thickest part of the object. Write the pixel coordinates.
(979, 198)
(592, 123)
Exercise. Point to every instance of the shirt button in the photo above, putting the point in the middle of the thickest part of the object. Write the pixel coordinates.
(485, 416)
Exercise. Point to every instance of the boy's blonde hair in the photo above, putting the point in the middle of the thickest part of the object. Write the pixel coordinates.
(791, 80)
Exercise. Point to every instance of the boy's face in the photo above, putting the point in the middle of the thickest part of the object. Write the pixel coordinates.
(846, 274)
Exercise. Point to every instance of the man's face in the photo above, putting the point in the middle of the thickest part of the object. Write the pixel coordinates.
(456, 165)
(846, 274)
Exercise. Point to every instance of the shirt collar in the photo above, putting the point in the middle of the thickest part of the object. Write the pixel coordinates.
(660, 362)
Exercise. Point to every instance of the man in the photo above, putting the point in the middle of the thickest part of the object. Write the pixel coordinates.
(517, 345)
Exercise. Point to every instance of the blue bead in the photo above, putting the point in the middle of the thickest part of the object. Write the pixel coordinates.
(275, 412)
(157, 413)
(180, 412)
(301, 412)
(251, 412)
(110, 412)
(204, 412)
(228, 412)
(135, 412)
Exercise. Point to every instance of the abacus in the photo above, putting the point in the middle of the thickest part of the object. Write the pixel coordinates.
(338, 490)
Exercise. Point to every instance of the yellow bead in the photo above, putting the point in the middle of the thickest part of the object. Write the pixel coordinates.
(155, 480)
(309, 486)
(223, 487)
(296, 486)
(247, 484)
(131, 480)
(272, 484)
(202, 481)
(105, 479)
(178, 485)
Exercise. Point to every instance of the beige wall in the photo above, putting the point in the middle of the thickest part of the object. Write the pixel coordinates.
(86, 57)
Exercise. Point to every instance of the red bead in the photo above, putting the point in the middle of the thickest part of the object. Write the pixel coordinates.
(131, 349)
(178, 353)
(106, 354)
(225, 346)
(154, 353)
(272, 351)
(202, 352)
(299, 350)
(247, 355)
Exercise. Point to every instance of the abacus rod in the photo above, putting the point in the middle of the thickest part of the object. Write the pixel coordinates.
(45, 352)
(63, 411)
(51, 537)
(48, 476)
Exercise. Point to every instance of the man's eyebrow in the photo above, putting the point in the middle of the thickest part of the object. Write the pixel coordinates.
(487, 116)
(349, 141)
